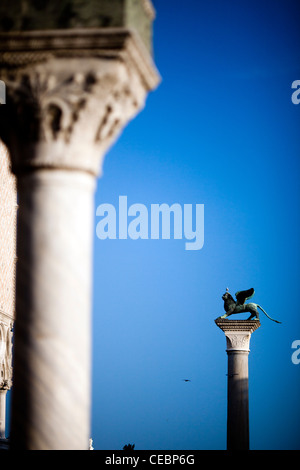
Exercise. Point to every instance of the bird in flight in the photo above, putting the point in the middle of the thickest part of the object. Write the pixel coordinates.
(186, 380)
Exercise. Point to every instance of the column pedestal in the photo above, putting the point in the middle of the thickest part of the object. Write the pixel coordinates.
(238, 333)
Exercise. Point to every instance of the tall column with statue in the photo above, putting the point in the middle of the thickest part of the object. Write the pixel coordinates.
(238, 334)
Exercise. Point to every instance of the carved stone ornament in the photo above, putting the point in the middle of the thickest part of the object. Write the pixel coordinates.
(238, 333)
(238, 341)
(69, 94)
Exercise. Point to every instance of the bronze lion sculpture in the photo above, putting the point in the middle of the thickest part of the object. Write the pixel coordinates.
(232, 307)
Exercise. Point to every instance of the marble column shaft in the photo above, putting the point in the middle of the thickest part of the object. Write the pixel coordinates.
(52, 349)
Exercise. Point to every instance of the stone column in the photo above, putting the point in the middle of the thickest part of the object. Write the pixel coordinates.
(69, 95)
(238, 333)
(2, 412)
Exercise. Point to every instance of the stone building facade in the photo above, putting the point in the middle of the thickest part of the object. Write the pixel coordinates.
(8, 210)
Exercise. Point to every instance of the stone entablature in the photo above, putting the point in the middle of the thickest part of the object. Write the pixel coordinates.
(26, 15)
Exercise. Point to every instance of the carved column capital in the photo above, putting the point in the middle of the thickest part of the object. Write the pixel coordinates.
(62, 112)
(238, 333)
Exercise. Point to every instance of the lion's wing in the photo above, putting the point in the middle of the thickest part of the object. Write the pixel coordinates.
(243, 295)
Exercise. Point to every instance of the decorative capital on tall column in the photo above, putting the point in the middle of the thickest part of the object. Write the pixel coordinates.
(238, 333)
(69, 94)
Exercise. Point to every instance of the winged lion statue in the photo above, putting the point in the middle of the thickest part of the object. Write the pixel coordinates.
(239, 306)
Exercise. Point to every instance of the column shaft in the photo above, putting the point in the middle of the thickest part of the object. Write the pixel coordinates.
(51, 394)
(237, 401)
(2, 413)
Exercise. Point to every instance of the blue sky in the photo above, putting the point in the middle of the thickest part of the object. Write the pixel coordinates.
(220, 130)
